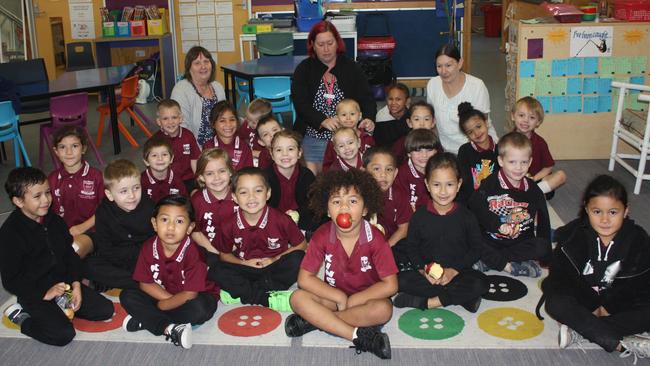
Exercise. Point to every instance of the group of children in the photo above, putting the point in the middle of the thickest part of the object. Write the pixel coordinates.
(242, 220)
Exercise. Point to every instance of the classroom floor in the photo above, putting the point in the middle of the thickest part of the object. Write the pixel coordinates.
(489, 65)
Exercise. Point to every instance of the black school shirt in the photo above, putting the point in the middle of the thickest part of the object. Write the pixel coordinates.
(451, 240)
(497, 202)
(35, 256)
(119, 234)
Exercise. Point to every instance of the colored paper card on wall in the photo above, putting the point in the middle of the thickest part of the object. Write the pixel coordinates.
(605, 86)
(632, 102)
(590, 105)
(590, 65)
(590, 86)
(526, 87)
(559, 86)
(560, 104)
(639, 64)
(543, 68)
(607, 66)
(574, 66)
(545, 102)
(559, 67)
(526, 69)
(543, 86)
(574, 86)
(535, 48)
(604, 104)
(623, 65)
(637, 80)
(574, 104)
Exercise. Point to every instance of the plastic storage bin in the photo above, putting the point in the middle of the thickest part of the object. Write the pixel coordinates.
(492, 14)
(122, 29)
(108, 29)
(138, 28)
(305, 24)
(157, 27)
(632, 10)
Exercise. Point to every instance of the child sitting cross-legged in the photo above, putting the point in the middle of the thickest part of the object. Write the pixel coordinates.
(123, 222)
(352, 301)
(512, 212)
(39, 266)
(77, 188)
(441, 272)
(174, 292)
(159, 180)
(260, 247)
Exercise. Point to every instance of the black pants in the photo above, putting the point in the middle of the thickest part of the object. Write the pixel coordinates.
(466, 286)
(607, 331)
(252, 285)
(105, 272)
(497, 256)
(48, 324)
(144, 309)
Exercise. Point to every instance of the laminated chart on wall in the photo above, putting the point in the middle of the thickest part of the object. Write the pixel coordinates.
(208, 24)
(580, 84)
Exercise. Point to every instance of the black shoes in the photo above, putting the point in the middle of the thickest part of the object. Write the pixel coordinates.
(472, 305)
(370, 339)
(296, 326)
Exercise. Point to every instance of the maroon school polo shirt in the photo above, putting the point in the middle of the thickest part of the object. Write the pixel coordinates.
(542, 157)
(271, 236)
(264, 160)
(238, 150)
(397, 211)
(329, 158)
(411, 181)
(340, 164)
(185, 150)
(287, 189)
(185, 270)
(157, 189)
(210, 212)
(370, 261)
(75, 197)
(249, 135)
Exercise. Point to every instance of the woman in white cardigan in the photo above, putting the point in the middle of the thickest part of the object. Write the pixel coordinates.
(198, 92)
(450, 88)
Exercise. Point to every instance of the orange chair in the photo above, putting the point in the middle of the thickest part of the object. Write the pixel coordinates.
(125, 103)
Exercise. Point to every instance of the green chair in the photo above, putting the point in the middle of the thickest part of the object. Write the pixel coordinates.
(274, 43)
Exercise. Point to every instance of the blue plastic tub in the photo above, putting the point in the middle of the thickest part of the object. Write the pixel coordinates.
(305, 24)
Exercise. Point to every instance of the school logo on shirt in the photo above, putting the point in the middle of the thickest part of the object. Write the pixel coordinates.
(186, 149)
(238, 243)
(273, 243)
(88, 188)
(365, 264)
(174, 191)
(57, 192)
(236, 156)
(329, 274)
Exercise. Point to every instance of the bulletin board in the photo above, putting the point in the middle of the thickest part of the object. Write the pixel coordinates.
(569, 69)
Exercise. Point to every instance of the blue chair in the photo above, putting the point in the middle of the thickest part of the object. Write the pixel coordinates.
(242, 88)
(277, 90)
(9, 131)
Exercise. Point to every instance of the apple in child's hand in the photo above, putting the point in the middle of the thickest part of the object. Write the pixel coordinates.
(434, 270)
(344, 220)
(69, 313)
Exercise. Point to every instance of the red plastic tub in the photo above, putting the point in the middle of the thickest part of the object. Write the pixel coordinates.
(492, 14)
(632, 10)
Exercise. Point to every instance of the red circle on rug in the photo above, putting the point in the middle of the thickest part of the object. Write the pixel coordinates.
(101, 326)
(249, 321)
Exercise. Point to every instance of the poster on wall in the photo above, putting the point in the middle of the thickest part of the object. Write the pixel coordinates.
(82, 21)
(592, 41)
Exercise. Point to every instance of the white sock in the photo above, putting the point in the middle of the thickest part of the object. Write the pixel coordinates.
(354, 333)
(169, 328)
(544, 186)
(75, 246)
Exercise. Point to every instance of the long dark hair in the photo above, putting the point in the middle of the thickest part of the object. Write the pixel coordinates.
(603, 185)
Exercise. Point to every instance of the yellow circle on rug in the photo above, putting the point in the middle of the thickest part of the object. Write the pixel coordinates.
(510, 323)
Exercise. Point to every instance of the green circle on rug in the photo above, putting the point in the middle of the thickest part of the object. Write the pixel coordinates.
(510, 323)
(432, 324)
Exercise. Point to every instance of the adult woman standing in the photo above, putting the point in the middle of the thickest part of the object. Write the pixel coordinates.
(319, 83)
(450, 88)
(198, 92)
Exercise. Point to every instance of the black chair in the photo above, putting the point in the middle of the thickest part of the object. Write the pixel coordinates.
(28, 72)
(79, 56)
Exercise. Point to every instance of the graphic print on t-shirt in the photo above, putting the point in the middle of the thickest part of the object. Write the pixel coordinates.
(510, 212)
